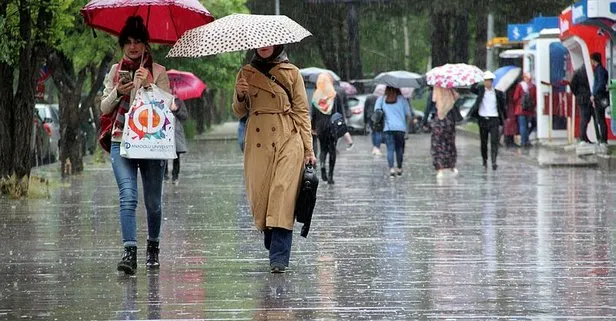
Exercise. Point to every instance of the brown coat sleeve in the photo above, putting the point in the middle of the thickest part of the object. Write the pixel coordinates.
(240, 108)
(301, 113)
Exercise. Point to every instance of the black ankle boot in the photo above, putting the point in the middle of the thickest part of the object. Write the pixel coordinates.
(323, 174)
(128, 264)
(151, 258)
(330, 178)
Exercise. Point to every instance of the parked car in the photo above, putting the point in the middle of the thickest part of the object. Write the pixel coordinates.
(51, 122)
(40, 148)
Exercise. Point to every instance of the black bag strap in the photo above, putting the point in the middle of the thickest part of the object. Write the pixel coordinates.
(273, 78)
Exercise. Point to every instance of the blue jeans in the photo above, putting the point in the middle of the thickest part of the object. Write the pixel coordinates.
(125, 171)
(526, 127)
(278, 242)
(241, 133)
(377, 139)
(395, 144)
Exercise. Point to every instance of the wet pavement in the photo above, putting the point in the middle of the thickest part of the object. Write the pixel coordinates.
(525, 242)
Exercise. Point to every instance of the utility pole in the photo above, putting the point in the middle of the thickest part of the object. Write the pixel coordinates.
(355, 68)
(407, 45)
(490, 50)
(277, 7)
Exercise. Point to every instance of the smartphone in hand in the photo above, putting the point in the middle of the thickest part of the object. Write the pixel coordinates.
(125, 77)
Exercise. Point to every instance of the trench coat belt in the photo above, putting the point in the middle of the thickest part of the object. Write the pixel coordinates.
(286, 113)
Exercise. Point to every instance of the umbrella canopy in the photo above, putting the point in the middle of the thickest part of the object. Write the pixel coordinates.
(185, 85)
(400, 79)
(454, 76)
(348, 88)
(379, 90)
(238, 32)
(506, 76)
(312, 73)
(166, 20)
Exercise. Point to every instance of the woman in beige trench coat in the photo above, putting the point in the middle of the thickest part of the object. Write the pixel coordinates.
(278, 144)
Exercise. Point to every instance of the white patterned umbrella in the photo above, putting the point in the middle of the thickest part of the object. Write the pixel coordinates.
(238, 32)
(454, 76)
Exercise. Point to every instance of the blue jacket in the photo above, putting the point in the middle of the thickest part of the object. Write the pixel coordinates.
(599, 88)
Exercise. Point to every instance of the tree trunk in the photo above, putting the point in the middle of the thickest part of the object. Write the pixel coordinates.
(460, 38)
(89, 103)
(69, 87)
(23, 110)
(440, 38)
(481, 39)
(355, 68)
(7, 75)
(6, 119)
(209, 106)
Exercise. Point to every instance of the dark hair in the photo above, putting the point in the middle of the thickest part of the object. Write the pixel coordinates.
(134, 28)
(596, 57)
(391, 94)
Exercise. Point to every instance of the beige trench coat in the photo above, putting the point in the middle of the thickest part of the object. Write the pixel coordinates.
(278, 137)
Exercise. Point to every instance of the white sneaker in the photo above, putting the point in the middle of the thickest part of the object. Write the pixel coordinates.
(454, 172)
(349, 147)
(440, 174)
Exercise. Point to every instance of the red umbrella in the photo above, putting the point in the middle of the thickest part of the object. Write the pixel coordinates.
(166, 20)
(185, 85)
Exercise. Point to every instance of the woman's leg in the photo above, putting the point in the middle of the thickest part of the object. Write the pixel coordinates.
(125, 171)
(280, 248)
(523, 129)
(176, 168)
(389, 142)
(332, 159)
(152, 179)
(399, 148)
(323, 142)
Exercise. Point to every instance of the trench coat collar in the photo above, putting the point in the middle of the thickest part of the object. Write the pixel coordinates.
(257, 79)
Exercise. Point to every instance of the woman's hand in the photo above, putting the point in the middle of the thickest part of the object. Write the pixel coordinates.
(124, 89)
(241, 88)
(142, 75)
(310, 159)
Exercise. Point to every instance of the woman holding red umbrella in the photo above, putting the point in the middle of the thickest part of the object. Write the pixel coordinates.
(121, 83)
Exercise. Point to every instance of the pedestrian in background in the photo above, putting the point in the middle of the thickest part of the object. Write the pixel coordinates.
(397, 116)
(489, 111)
(375, 135)
(278, 144)
(525, 97)
(510, 128)
(324, 105)
(118, 96)
(599, 96)
(443, 142)
(581, 89)
(181, 115)
(429, 111)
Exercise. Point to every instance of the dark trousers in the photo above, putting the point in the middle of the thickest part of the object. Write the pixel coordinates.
(395, 144)
(600, 117)
(328, 146)
(176, 168)
(489, 126)
(278, 241)
(586, 113)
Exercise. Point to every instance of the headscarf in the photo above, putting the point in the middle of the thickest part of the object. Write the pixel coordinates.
(444, 99)
(325, 94)
(264, 65)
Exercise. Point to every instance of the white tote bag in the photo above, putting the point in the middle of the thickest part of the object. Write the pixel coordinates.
(149, 126)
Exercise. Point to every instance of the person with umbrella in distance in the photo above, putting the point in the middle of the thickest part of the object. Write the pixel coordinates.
(325, 103)
(119, 92)
(278, 144)
(489, 110)
(397, 116)
(181, 115)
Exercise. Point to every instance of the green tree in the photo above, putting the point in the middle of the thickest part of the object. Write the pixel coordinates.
(24, 36)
